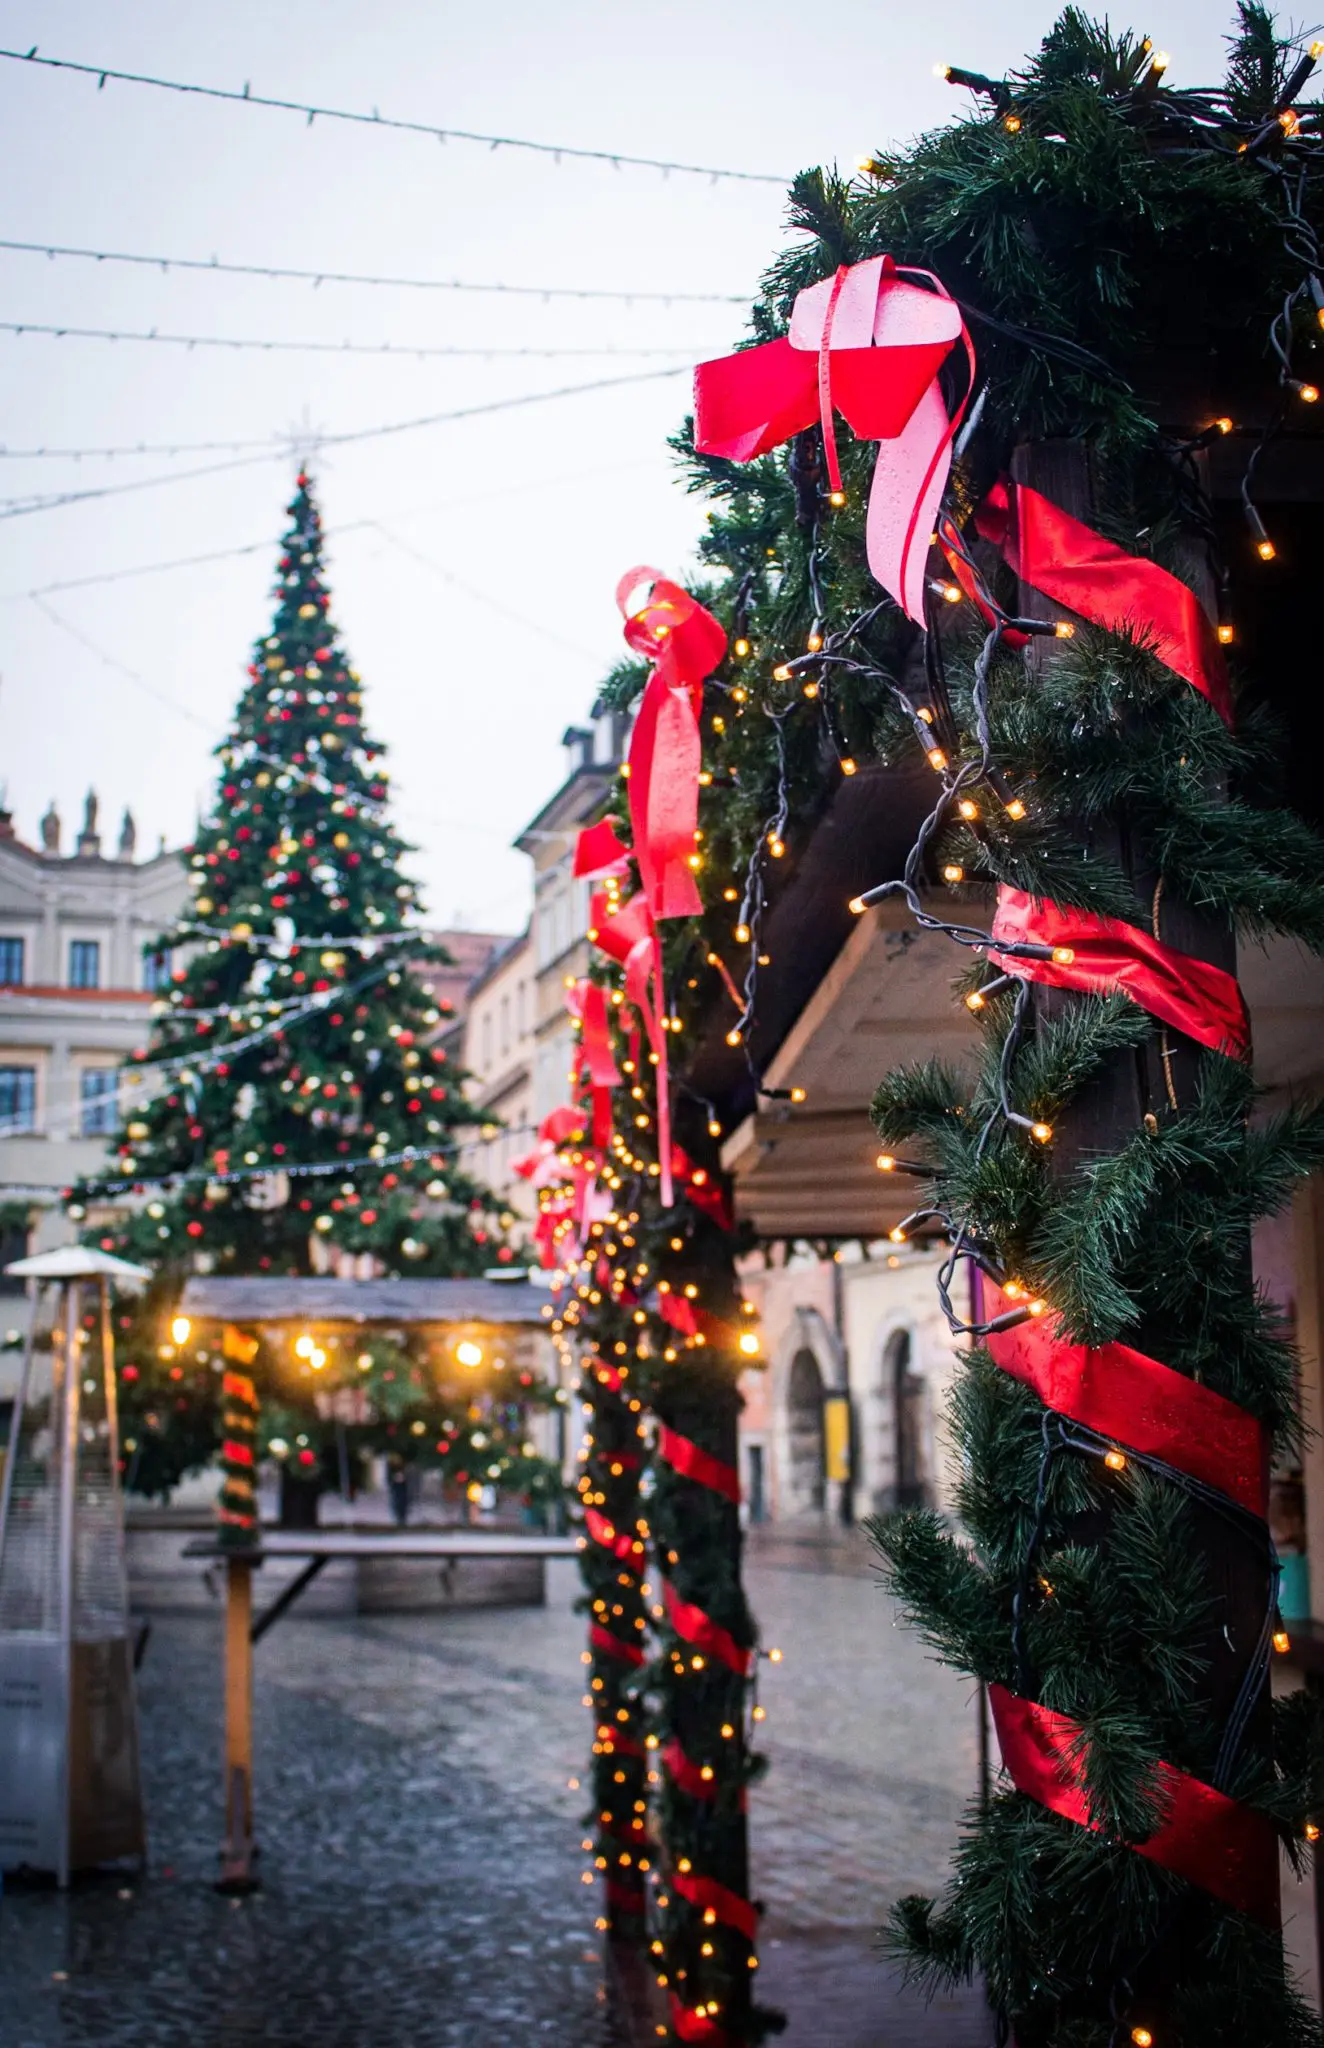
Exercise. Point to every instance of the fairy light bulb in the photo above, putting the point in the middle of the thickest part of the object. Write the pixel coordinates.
(1265, 549)
(951, 593)
(815, 640)
(898, 1235)
(1307, 393)
(1012, 123)
(798, 1094)
(782, 673)
(836, 499)
(937, 759)
(942, 71)
(885, 1163)
(968, 808)
(776, 846)
(1141, 2037)
(742, 934)
(1063, 956)
(1115, 1461)
(1016, 809)
(953, 872)
(740, 649)
(1226, 635)
(857, 906)
(847, 765)
(1041, 1133)
(1160, 61)
(733, 1038)
(1311, 1831)
(1282, 1642)
(1064, 630)
(974, 1001)
(811, 688)
(1223, 424)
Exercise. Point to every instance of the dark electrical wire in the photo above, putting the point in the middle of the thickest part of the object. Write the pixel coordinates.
(19, 508)
(617, 159)
(414, 284)
(404, 349)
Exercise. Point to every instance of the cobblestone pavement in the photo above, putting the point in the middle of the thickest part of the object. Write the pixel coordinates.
(421, 1838)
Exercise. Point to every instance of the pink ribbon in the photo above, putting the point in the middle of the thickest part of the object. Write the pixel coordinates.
(869, 345)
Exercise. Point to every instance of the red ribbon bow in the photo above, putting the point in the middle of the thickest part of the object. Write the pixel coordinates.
(869, 345)
(684, 642)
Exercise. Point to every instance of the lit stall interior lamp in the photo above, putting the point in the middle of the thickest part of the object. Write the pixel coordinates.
(181, 1329)
(468, 1353)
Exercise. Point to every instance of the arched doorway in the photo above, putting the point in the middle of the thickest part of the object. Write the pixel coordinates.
(907, 1390)
(804, 1433)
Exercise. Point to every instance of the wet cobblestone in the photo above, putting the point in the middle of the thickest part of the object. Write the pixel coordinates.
(421, 1840)
(402, 1903)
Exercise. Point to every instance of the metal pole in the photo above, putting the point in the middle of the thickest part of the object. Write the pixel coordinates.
(68, 1500)
(21, 1402)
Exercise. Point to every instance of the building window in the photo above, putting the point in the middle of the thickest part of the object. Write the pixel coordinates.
(156, 970)
(98, 1092)
(84, 963)
(18, 1100)
(11, 963)
(15, 1236)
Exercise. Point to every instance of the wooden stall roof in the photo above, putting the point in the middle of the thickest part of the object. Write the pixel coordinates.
(273, 1299)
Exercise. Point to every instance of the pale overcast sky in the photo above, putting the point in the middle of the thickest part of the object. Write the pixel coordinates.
(473, 563)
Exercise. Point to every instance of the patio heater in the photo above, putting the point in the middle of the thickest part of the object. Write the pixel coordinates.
(70, 1793)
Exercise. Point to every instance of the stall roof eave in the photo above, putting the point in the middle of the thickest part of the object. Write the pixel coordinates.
(353, 1303)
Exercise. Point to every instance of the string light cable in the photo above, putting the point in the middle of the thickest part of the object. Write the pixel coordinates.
(316, 278)
(404, 350)
(613, 159)
(21, 507)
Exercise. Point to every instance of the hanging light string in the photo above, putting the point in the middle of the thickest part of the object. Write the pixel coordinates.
(615, 159)
(168, 1064)
(279, 271)
(313, 1170)
(19, 508)
(401, 350)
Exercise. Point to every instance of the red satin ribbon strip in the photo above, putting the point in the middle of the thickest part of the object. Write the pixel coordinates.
(701, 1632)
(694, 2028)
(606, 1375)
(825, 380)
(1099, 581)
(1212, 1841)
(1191, 995)
(237, 1453)
(688, 1777)
(615, 1743)
(611, 1646)
(1143, 1405)
(627, 934)
(710, 1897)
(627, 1548)
(599, 852)
(684, 642)
(694, 1463)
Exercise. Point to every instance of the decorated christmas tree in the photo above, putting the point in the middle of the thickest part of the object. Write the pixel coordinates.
(292, 1113)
